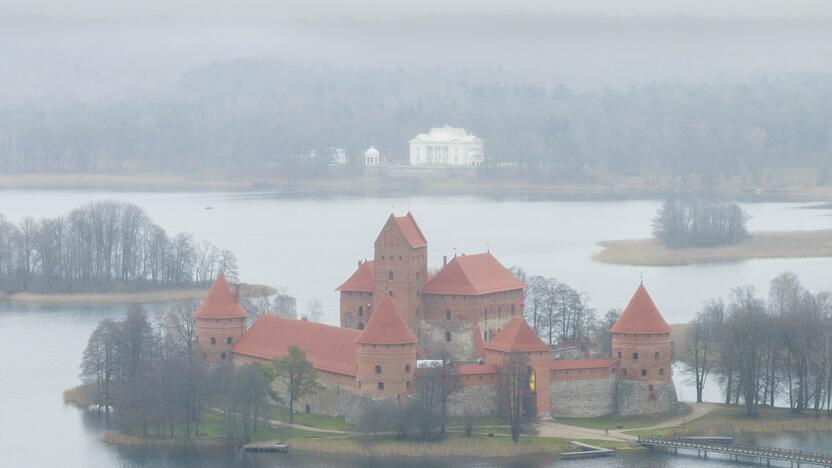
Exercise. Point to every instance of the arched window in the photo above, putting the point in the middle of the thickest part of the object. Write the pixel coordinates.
(635, 355)
(407, 368)
(656, 355)
(619, 355)
(390, 275)
(644, 372)
(661, 371)
(378, 369)
(360, 326)
(361, 311)
(447, 315)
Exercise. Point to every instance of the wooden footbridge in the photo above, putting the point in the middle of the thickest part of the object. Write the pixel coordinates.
(761, 454)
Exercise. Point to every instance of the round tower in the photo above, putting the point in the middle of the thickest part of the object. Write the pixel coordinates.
(220, 321)
(386, 354)
(641, 341)
(641, 344)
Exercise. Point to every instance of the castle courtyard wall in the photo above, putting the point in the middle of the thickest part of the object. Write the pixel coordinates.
(584, 397)
(474, 400)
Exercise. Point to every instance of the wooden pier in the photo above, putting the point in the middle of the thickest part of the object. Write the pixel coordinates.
(760, 454)
(588, 451)
(266, 447)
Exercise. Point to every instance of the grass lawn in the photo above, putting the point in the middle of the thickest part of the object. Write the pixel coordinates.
(619, 422)
(731, 420)
(318, 421)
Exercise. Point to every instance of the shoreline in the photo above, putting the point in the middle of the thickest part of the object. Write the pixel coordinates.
(763, 244)
(141, 297)
(382, 184)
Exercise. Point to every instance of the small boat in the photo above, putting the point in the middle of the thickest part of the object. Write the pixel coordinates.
(209, 207)
(266, 447)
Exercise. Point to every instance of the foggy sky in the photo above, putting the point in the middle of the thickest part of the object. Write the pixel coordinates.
(376, 9)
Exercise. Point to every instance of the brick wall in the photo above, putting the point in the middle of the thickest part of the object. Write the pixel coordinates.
(356, 308)
(643, 357)
(216, 336)
(392, 365)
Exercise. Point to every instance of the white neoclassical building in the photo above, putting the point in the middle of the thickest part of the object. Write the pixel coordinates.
(446, 146)
(371, 157)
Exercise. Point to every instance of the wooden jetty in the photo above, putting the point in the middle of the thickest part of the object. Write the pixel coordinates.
(266, 447)
(734, 452)
(587, 451)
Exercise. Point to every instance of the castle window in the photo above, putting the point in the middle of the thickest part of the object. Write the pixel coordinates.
(390, 275)
(447, 315)
(619, 355)
(400, 258)
(361, 311)
(656, 355)
(407, 368)
(407, 384)
(447, 336)
(635, 355)
(644, 372)
(213, 340)
(624, 371)
(417, 275)
(378, 370)
(360, 326)
(512, 309)
(228, 340)
(222, 355)
(359, 384)
(381, 385)
(307, 409)
(661, 371)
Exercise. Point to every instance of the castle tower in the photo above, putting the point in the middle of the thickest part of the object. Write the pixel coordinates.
(220, 320)
(641, 343)
(400, 266)
(386, 354)
(517, 337)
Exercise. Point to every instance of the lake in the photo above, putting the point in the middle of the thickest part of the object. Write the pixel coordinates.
(309, 245)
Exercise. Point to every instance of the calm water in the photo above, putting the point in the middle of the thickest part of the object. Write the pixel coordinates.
(310, 246)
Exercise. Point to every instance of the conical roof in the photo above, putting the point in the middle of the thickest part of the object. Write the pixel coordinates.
(386, 326)
(220, 302)
(517, 337)
(641, 316)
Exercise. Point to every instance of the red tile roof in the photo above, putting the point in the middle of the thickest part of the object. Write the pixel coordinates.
(516, 336)
(411, 231)
(641, 316)
(477, 369)
(472, 275)
(362, 280)
(386, 326)
(327, 347)
(573, 364)
(220, 302)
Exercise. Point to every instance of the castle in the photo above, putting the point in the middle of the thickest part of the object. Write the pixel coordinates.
(394, 313)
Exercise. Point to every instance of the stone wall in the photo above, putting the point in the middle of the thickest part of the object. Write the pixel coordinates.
(583, 398)
(433, 339)
(476, 400)
(639, 397)
(331, 399)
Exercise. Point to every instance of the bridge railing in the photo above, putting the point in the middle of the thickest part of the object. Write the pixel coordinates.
(767, 452)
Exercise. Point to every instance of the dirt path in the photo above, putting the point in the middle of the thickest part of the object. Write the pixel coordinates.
(555, 429)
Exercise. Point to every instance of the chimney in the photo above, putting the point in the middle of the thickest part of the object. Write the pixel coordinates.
(444, 260)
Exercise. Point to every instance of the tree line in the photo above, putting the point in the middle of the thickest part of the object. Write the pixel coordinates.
(765, 351)
(103, 246)
(267, 117)
(699, 223)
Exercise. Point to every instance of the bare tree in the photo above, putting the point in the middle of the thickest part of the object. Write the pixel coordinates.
(515, 398)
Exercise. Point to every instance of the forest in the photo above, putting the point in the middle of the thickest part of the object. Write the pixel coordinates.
(699, 223)
(104, 246)
(266, 117)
